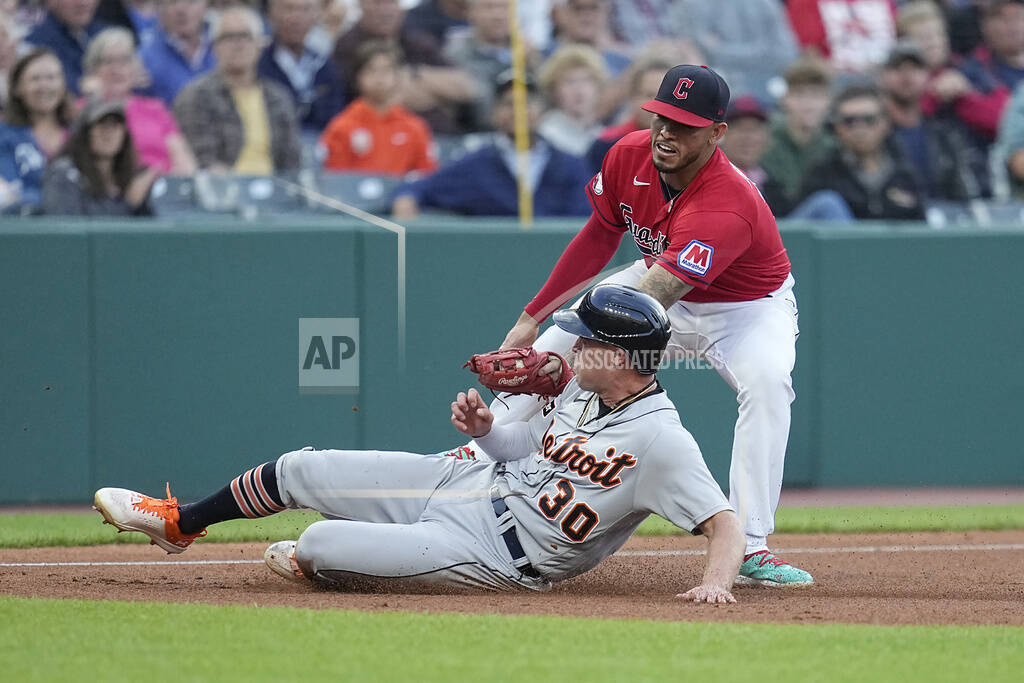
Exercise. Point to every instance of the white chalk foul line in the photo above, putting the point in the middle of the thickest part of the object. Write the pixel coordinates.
(843, 549)
(621, 553)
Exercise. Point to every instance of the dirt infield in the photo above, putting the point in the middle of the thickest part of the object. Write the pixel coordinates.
(920, 578)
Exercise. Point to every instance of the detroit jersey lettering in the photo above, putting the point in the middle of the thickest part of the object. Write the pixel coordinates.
(718, 235)
(581, 493)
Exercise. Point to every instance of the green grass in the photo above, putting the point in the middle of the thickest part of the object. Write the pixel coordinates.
(35, 530)
(49, 640)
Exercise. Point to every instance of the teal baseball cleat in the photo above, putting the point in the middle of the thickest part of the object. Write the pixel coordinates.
(766, 569)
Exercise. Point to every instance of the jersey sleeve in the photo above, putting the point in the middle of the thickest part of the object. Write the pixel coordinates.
(703, 244)
(602, 195)
(676, 483)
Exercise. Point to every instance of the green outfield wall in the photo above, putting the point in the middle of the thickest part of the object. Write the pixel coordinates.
(137, 353)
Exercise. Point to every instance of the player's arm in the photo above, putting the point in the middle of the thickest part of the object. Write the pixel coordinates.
(726, 544)
(663, 286)
(587, 253)
(472, 417)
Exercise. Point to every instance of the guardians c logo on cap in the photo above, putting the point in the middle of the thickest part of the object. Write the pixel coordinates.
(692, 95)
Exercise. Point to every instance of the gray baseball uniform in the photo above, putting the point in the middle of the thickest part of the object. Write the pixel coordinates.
(571, 485)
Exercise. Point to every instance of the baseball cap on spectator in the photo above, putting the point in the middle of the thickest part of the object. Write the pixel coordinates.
(507, 77)
(902, 52)
(97, 108)
(745, 106)
(691, 95)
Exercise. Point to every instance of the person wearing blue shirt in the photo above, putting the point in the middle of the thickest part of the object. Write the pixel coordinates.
(22, 163)
(483, 183)
(312, 79)
(178, 49)
(67, 29)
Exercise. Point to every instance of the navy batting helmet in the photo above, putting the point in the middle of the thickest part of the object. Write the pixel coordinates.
(625, 317)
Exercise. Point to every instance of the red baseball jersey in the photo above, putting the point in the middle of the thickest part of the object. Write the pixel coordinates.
(718, 235)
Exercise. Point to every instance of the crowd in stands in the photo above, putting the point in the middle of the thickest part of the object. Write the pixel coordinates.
(841, 109)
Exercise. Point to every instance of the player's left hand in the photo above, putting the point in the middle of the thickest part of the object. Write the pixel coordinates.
(709, 593)
(470, 414)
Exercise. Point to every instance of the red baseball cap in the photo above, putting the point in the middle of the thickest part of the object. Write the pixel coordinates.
(691, 95)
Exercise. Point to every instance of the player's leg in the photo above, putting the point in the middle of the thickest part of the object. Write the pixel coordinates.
(753, 347)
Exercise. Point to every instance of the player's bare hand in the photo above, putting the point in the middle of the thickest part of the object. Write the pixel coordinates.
(522, 334)
(709, 593)
(470, 415)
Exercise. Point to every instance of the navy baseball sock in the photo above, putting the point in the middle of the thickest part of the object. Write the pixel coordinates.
(253, 493)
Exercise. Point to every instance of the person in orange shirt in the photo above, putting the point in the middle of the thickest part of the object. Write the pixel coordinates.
(373, 134)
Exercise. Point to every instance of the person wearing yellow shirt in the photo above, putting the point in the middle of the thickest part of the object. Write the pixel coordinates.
(235, 121)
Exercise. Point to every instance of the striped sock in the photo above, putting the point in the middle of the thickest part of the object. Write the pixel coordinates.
(252, 494)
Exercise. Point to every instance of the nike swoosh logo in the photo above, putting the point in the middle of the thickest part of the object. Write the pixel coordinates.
(639, 182)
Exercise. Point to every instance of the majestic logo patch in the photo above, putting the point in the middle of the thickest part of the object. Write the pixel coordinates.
(696, 257)
(598, 184)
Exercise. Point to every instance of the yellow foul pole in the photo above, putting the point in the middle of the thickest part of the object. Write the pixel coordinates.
(521, 118)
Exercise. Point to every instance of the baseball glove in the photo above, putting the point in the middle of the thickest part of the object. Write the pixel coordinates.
(517, 371)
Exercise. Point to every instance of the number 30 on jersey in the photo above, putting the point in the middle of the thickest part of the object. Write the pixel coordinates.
(581, 518)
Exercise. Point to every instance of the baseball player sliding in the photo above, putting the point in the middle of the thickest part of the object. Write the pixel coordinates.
(712, 255)
(564, 491)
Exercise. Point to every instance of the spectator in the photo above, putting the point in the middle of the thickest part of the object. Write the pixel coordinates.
(67, 29)
(374, 134)
(798, 135)
(749, 42)
(1000, 57)
(645, 76)
(143, 15)
(854, 35)
(439, 18)
(34, 129)
(8, 54)
(949, 92)
(112, 71)
(234, 120)
(571, 80)
(744, 144)
(484, 51)
(178, 49)
(483, 183)
(870, 174)
(325, 33)
(311, 78)
(434, 90)
(947, 165)
(96, 173)
(1009, 147)
(639, 22)
(585, 22)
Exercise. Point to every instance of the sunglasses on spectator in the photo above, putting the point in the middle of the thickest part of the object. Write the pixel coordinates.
(851, 120)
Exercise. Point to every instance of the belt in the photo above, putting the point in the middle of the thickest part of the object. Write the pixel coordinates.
(515, 548)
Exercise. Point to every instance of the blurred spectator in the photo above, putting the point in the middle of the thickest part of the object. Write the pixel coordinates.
(96, 173)
(112, 71)
(948, 166)
(143, 15)
(8, 54)
(34, 128)
(798, 135)
(439, 18)
(585, 22)
(434, 89)
(639, 22)
(324, 34)
(645, 76)
(67, 29)
(1009, 148)
(178, 49)
(744, 144)
(871, 175)
(234, 120)
(1001, 54)
(311, 78)
(854, 35)
(749, 42)
(374, 134)
(484, 51)
(571, 80)
(949, 91)
(483, 183)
